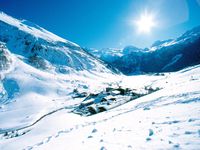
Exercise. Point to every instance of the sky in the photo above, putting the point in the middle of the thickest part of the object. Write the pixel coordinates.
(108, 23)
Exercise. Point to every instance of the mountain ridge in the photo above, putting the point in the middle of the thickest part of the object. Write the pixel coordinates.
(45, 50)
(54, 95)
(163, 56)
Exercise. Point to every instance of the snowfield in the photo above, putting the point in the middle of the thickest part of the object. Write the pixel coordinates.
(166, 119)
(54, 95)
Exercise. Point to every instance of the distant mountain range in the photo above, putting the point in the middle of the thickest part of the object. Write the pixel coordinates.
(162, 56)
(44, 50)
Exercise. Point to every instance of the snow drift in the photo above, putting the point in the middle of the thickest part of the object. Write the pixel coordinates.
(54, 95)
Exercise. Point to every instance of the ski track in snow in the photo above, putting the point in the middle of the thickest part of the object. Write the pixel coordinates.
(153, 103)
(179, 99)
(35, 122)
(37, 113)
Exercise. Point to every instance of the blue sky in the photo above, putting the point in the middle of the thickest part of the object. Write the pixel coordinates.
(107, 23)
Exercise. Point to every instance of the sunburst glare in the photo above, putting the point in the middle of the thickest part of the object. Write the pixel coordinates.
(145, 23)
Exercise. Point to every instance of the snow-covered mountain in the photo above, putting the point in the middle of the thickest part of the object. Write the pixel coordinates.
(162, 56)
(5, 58)
(45, 50)
(40, 70)
(54, 95)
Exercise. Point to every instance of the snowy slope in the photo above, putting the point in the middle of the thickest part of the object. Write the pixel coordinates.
(24, 87)
(162, 56)
(166, 119)
(106, 54)
(39, 72)
(5, 58)
(44, 50)
(45, 79)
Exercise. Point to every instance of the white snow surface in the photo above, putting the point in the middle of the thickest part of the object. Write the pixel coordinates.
(36, 105)
(166, 119)
(45, 50)
(31, 28)
(173, 61)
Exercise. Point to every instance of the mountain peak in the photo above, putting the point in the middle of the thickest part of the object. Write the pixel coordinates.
(30, 28)
(45, 50)
(193, 33)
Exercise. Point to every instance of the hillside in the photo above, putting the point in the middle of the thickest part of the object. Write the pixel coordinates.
(55, 95)
(162, 56)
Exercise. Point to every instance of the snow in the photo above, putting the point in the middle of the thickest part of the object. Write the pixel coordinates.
(35, 89)
(37, 107)
(174, 60)
(162, 56)
(44, 50)
(167, 118)
(165, 44)
(39, 32)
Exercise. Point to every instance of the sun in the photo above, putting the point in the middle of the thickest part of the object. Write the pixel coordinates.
(145, 23)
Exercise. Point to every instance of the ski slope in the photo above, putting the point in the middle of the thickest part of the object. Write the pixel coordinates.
(44, 80)
(168, 118)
